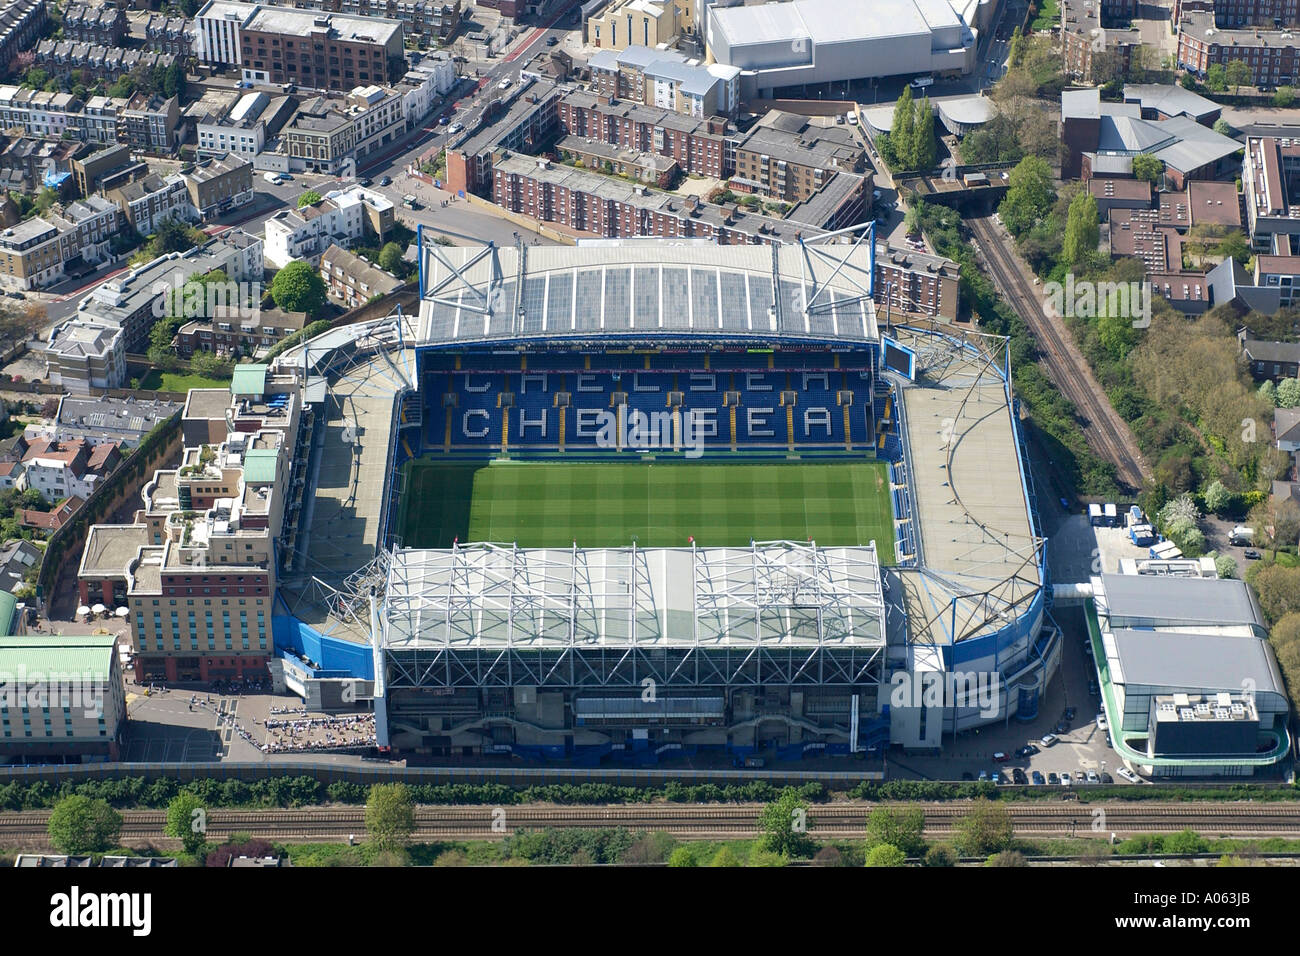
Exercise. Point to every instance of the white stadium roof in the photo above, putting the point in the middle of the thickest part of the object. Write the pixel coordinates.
(773, 595)
(632, 288)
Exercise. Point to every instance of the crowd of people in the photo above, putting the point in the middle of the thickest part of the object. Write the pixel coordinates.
(298, 733)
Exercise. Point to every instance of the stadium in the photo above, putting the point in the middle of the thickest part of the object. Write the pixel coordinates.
(633, 500)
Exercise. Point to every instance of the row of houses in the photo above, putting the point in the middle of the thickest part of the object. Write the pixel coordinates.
(145, 122)
(93, 61)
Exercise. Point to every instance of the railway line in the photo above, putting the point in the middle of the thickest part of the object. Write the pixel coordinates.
(1103, 429)
(731, 821)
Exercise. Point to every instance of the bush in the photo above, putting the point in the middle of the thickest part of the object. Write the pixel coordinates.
(940, 855)
(828, 856)
(886, 855)
(1007, 858)
(682, 856)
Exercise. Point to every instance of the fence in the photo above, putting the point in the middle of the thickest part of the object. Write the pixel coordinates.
(66, 544)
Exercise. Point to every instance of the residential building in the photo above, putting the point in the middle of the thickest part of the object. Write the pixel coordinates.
(198, 567)
(526, 120)
(21, 22)
(123, 421)
(129, 300)
(786, 157)
(429, 78)
(1271, 55)
(151, 123)
(172, 35)
(82, 354)
(351, 280)
(147, 203)
(101, 23)
(1269, 361)
(236, 332)
(1084, 37)
(646, 23)
(97, 62)
(11, 474)
(1286, 429)
(107, 168)
(1119, 194)
(328, 133)
(18, 558)
(60, 470)
(1268, 174)
(69, 702)
(322, 51)
(667, 79)
(219, 185)
(427, 19)
(49, 521)
(217, 27)
(32, 254)
(1242, 13)
(28, 163)
(244, 127)
(341, 217)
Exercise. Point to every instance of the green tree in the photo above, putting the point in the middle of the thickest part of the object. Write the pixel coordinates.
(1216, 78)
(1029, 194)
(298, 288)
(901, 133)
(924, 151)
(173, 235)
(1288, 393)
(1217, 497)
(390, 816)
(1007, 858)
(1268, 392)
(1185, 841)
(1082, 231)
(1117, 335)
(784, 825)
(390, 259)
(760, 857)
(187, 821)
(1225, 566)
(985, 829)
(310, 198)
(1284, 97)
(886, 855)
(1148, 167)
(940, 855)
(725, 856)
(682, 856)
(1238, 74)
(81, 825)
(900, 826)
(1222, 127)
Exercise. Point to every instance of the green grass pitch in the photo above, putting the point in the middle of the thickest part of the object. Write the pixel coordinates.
(546, 504)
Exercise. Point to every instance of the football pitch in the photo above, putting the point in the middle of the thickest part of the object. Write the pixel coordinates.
(551, 505)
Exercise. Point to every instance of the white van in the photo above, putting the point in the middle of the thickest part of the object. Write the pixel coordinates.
(1241, 535)
(272, 178)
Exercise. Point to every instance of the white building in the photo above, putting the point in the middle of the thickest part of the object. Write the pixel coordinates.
(217, 28)
(242, 131)
(424, 84)
(377, 115)
(810, 42)
(342, 217)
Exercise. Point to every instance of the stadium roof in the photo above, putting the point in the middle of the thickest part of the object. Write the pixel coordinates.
(773, 594)
(818, 291)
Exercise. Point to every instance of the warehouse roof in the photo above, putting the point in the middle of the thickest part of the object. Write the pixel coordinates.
(1181, 600)
(1196, 661)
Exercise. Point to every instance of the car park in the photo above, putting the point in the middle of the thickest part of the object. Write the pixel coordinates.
(1037, 778)
(1047, 740)
(1128, 775)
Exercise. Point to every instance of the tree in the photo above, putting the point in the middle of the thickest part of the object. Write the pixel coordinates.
(901, 132)
(1029, 194)
(985, 829)
(1222, 127)
(1216, 78)
(784, 825)
(390, 259)
(1268, 392)
(390, 816)
(940, 855)
(1238, 74)
(81, 825)
(760, 857)
(1148, 167)
(886, 855)
(1283, 98)
(1278, 587)
(298, 288)
(310, 198)
(1082, 231)
(725, 856)
(1225, 566)
(187, 821)
(923, 148)
(1217, 497)
(903, 827)
(682, 856)
(1288, 393)
(1007, 858)
(828, 856)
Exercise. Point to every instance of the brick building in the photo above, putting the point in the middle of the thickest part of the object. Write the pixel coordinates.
(101, 23)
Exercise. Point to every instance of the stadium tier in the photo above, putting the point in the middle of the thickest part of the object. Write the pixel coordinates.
(644, 500)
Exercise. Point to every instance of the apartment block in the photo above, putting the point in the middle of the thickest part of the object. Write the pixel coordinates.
(1268, 180)
(527, 121)
(351, 280)
(237, 332)
(102, 23)
(645, 23)
(697, 145)
(21, 22)
(1271, 55)
(147, 203)
(426, 19)
(219, 184)
(667, 79)
(1242, 13)
(787, 157)
(341, 217)
(198, 567)
(85, 353)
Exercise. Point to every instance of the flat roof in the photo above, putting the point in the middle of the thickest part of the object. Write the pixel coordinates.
(249, 379)
(70, 656)
(110, 547)
(1202, 662)
(1222, 601)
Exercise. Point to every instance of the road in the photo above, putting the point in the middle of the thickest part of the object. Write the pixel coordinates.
(1106, 433)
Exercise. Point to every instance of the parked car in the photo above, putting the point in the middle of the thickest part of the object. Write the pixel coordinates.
(984, 776)
(1053, 780)
(1037, 777)
(1101, 722)
(1252, 554)
(995, 777)
(1092, 777)
(1047, 740)
(1070, 714)
(1019, 777)
(15, 295)
(1063, 727)
(455, 128)
(552, 40)
(442, 121)
(1000, 757)
(505, 83)
(1107, 778)
(967, 775)
(364, 182)
(1065, 779)
(385, 180)
(1128, 775)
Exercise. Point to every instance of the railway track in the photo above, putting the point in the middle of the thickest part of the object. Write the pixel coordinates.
(732, 821)
(1103, 429)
